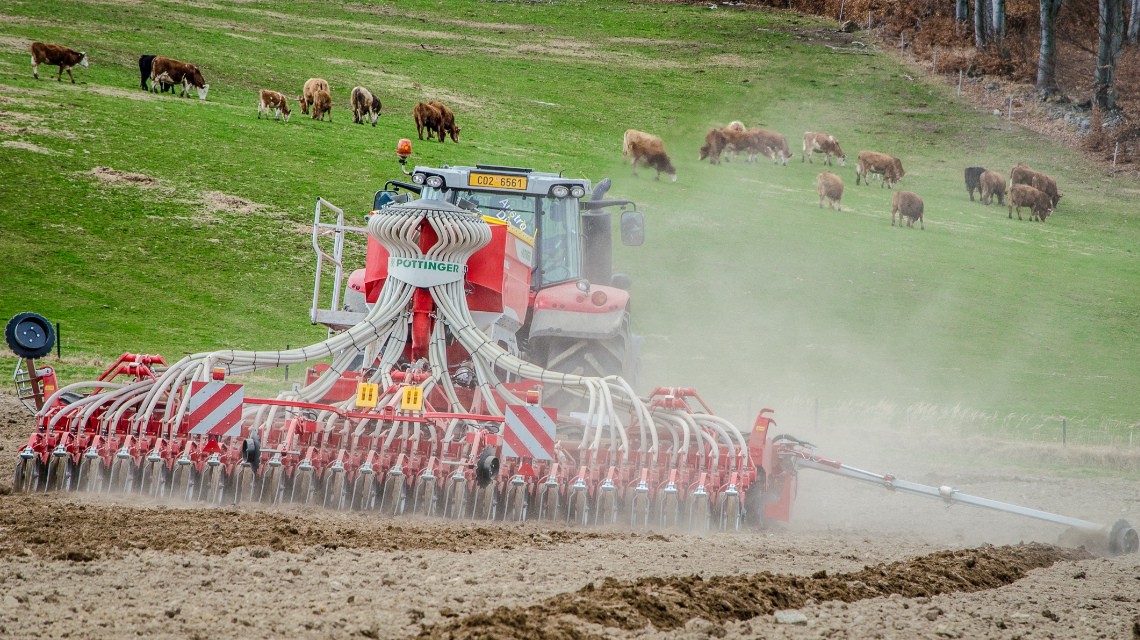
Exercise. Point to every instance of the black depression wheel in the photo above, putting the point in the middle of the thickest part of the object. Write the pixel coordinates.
(30, 335)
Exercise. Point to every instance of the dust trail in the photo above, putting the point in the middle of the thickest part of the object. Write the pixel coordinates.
(669, 603)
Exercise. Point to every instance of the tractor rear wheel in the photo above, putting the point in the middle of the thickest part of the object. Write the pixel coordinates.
(589, 357)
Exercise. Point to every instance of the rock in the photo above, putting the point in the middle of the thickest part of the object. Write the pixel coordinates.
(335, 586)
(993, 85)
(791, 616)
(849, 26)
(997, 112)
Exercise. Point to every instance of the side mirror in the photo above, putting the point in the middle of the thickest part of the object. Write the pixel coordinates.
(385, 197)
(632, 228)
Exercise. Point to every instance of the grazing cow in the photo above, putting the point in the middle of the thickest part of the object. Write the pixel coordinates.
(1021, 174)
(907, 205)
(649, 150)
(145, 63)
(874, 163)
(364, 106)
(170, 71)
(54, 54)
(1048, 186)
(824, 144)
(322, 105)
(973, 177)
(992, 184)
(1023, 195)
(831, 187)
(447, 121)
(272, 101)
(715, 144)
(771, 144)
(427, 118)
(309, 93)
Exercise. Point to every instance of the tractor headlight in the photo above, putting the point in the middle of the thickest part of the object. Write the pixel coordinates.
(577, 192)
(418, 178)
(434, 182)
(560, 191)
(583, 285)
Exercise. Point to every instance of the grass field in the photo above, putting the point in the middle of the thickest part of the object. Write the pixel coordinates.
(744, 287)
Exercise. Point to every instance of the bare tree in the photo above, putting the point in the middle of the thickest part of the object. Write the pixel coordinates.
(1134, 23)
(997, 24)
(962, 13)
(1047, 59)
(981, 23)
(1108, 51)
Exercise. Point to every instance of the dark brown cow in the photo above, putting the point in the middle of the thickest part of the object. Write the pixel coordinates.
(1023, 195)
(973, 180)
(170, 71)
(54, 54)
(992, 184)
(309, 93)
(1021, 174)
(715, 144)
(273, 102)
(1048, 186)
(649, 150)
(322, 105)
(824, 144)
(874, 163)
(427, 118)
(907, 205)
(364, 106)
(447, 121)
(829, 186)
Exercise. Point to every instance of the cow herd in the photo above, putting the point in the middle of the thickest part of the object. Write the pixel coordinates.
(1027, 188)
(164, 74)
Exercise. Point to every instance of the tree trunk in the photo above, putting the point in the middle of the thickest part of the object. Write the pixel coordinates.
(963, 12)
(1047, 60)
(997, 24)
(1134, 24)
(1111, 39)
(981, 23)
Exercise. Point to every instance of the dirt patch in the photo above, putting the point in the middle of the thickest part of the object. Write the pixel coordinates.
(216, 201)
(107, 175)
(671, 602)
(26, 146)
(818, 35)
(54, 526)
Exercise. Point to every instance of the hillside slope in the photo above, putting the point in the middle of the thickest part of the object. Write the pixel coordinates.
(744, 288)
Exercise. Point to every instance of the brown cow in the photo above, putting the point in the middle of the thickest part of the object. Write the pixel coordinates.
(829, 186)
(322, 105)
(447, 121)
(973, 180)
(649, 150)
(54, 54)
(1048, 186)
(171, 71)
(309, 92)
(273, 102)
(1021, 174)
(1023, 195)
(874, 163)
(993, 184)
(771, 144)
(907, 205)
(715, 144)
(429, 118)
(364, 106)
(824, 144)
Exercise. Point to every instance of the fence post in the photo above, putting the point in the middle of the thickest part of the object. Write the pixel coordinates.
(59, 341)
(841, 5)
(1009, 112)
(934, 67)
(868, 19)
(959, 83)
(1064, 431)
(902, 43)
(1114, 152)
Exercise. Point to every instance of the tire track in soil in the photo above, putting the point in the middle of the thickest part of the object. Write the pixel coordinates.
(69, 529)
(668, 603)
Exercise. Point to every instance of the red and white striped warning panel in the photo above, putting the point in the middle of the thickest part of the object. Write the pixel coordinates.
(529, 432)
(215, 408)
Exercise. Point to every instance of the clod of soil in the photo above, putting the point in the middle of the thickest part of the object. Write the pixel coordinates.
(54, 527)
(670, 602)
(107, 174)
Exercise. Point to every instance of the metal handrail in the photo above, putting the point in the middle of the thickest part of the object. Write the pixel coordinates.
(338, 231)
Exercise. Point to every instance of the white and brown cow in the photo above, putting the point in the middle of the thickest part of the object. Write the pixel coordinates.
(874, 163)
(364, 106)
(822, 143)
(54, 54)
(273, 102)
(171, 71)
(649, 150)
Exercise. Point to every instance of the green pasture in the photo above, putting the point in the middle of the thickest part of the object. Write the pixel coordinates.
(744, 288)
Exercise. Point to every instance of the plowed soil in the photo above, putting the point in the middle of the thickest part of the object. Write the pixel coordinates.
(856, 563)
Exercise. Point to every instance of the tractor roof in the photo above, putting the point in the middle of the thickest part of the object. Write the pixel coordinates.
(483, 177)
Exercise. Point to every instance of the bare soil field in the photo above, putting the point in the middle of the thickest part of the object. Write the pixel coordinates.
(856, 562)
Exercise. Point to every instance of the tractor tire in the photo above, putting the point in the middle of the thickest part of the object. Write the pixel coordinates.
(588, 357)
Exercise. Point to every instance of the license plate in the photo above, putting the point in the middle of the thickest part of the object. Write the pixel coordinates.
(492, 181)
